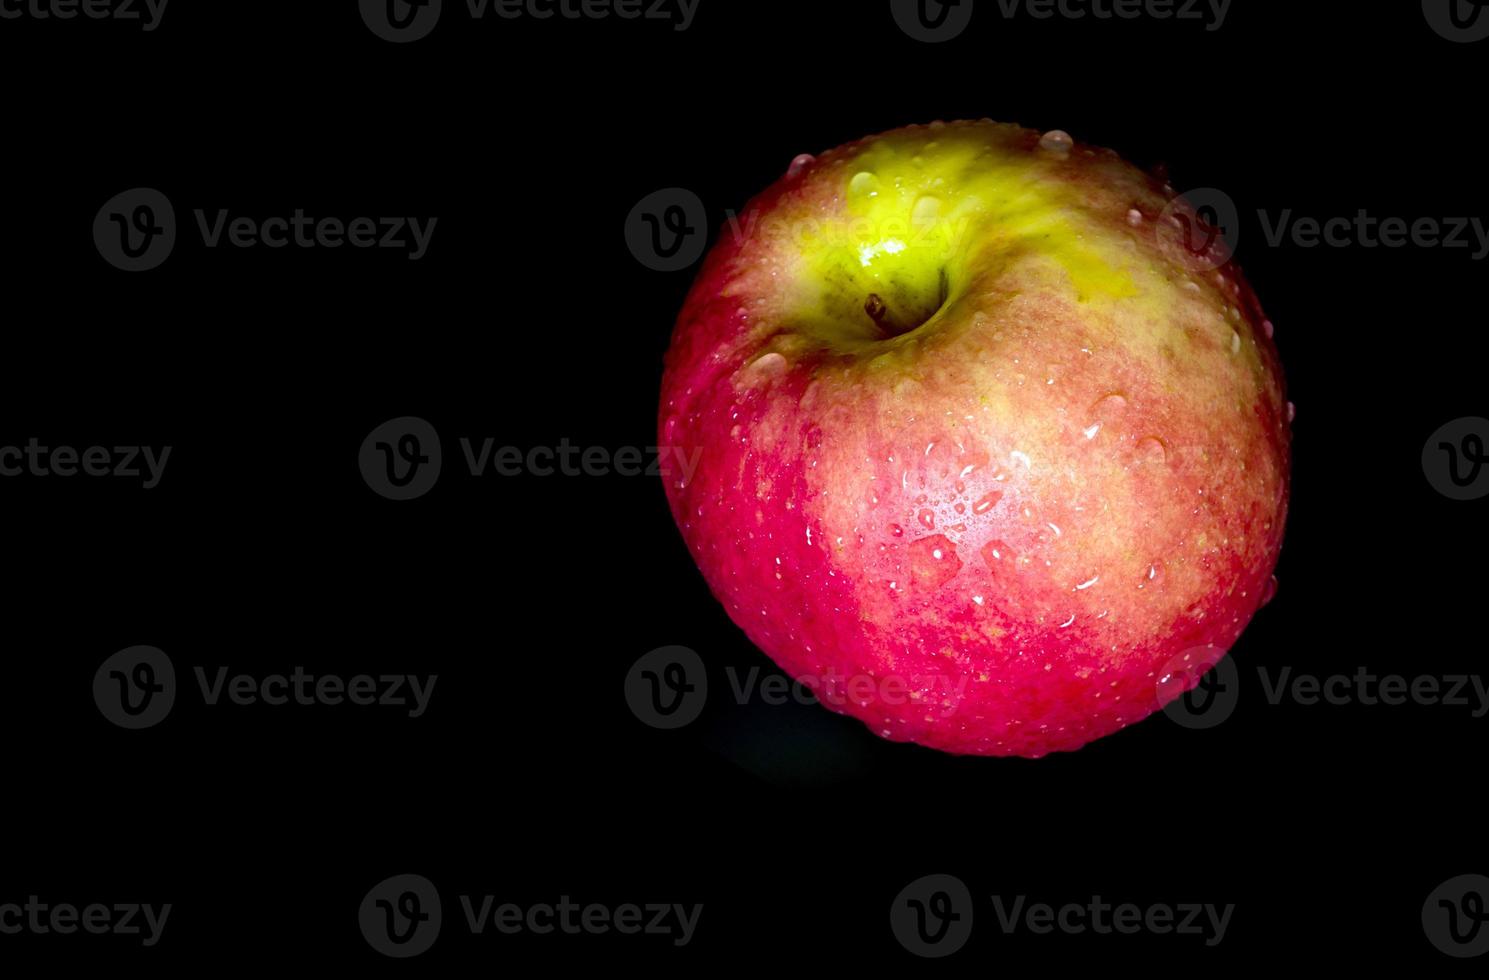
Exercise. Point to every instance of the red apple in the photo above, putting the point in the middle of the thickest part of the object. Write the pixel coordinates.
(987, 446)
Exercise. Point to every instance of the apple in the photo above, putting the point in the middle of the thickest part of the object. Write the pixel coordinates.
(991, 450)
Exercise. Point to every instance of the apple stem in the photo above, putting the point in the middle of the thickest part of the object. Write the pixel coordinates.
(878, 311)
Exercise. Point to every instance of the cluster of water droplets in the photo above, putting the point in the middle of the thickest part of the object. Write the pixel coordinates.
(939, 548)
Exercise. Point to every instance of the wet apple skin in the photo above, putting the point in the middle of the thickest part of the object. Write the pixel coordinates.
(1001, 533)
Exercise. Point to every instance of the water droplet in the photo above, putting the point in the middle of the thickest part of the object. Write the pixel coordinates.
(926, 212)
(997, 555)
(933, 561)
(987, 502)
(1108, 407)
(1235, 342)
(1292, 412)
(799, 164)
(927, 519)
(863, 183)
(1271, 591)
(1152, 450)
(1134, 217)
(1056, 141)
(896, 530)
(769, 364)
(1269, 328)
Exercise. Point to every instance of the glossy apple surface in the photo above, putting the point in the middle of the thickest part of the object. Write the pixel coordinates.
(991, 449)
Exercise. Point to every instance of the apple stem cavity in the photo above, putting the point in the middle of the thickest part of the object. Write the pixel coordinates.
(891, 325)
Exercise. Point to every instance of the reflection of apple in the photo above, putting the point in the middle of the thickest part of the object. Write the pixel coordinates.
(985, 447)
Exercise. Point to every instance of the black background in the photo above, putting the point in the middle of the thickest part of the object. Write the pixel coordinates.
(529, 322)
